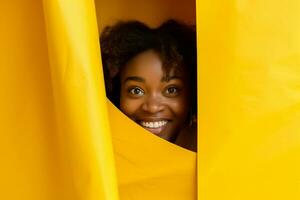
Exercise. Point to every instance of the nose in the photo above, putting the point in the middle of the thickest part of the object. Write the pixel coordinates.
(153, 104)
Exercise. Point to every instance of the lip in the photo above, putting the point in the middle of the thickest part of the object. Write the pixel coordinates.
(150, 119)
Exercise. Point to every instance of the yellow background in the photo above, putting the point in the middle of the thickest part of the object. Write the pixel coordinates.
(152, 12)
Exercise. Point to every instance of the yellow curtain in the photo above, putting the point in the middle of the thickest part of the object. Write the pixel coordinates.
(29, 165)
(79, 97)
(55, 138)
(249, 99)
(61, 139)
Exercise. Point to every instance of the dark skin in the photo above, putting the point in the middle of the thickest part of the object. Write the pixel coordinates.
(158, 103)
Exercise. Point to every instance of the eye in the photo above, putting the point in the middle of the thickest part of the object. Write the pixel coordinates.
(136, 91)
(172, 91)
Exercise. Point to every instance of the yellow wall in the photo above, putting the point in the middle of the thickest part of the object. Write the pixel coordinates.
(152, 12)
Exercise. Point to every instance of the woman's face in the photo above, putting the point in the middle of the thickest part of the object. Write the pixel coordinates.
(159, 104)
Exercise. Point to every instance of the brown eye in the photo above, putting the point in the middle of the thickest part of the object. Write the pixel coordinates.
(136, 91)
(172, 91)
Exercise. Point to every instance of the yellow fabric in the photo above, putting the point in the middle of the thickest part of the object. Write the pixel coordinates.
(249, 99)
(29, 166)
(80, 102)
(55, 139)
(149, 167)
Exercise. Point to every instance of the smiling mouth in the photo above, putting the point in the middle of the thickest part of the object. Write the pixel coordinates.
(155, 127)
(155, 124)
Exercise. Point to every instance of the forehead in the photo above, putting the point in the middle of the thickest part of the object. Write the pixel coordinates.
(149, 64)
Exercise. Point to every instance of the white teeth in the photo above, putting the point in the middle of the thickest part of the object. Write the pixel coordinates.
(156, 124)
(151, 125)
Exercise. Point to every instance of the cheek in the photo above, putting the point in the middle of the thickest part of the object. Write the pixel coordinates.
(180, 107)
(129, 106)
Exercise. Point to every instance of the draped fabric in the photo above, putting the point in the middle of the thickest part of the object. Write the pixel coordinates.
(249, 99)
(60, 138)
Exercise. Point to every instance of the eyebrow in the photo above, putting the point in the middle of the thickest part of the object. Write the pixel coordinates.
(134, 78)
(167, 79)
(140, 79)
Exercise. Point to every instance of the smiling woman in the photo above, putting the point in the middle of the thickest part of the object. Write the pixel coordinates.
(150, 77)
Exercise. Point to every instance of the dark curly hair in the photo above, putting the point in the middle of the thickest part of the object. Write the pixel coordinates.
(175, 42)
